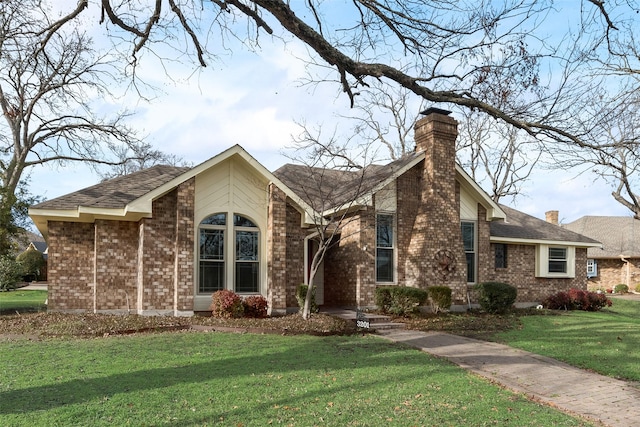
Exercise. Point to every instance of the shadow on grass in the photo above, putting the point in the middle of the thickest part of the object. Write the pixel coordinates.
(228, 370)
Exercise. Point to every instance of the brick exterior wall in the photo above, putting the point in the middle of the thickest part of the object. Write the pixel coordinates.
(614, 271)
(285, 252)
(349, 269)
(276, 251)
(116, 264)
(123, 266)
(294, 254)
(520, 272)
(71, 273)
(184, 249)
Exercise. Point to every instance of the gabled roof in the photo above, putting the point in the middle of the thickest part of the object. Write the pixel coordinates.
(620, 235)
(130, 197)
(522, 228)
(330, 189)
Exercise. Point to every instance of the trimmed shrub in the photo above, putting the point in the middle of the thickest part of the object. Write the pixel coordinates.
(440, 297)
(31, 262)
(577, 299)
(496, 297)
(400, 300)
(226, 304)
(10, 273)
(301, 295)
(558, 301)
(621, 289)
(637, 289)
(255, 306)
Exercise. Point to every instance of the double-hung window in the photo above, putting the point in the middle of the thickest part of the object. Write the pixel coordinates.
(247, 266)
(557, 260)
(385, 264)
(212, 253)
(468, 229)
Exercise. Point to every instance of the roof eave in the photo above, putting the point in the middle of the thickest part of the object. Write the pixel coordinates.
(525, 241)
(494, 211)
(41, 217)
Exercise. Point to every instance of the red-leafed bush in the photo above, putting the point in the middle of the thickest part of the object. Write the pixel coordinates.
(577, 299)
(226, 304)
(255, 306)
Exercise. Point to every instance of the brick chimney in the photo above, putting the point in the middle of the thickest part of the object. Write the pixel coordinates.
(436, 134)
(435, 254)
(552, 217)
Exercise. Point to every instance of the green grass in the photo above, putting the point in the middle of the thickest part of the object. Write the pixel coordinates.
(22, 301)
(606, 341)
(204, 379)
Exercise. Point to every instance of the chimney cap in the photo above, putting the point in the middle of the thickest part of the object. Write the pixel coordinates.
(435, 110)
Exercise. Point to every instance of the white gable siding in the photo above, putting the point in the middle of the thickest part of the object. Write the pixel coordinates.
(234, 187)
(468, 205)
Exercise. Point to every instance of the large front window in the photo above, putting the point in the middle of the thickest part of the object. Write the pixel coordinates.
(469, 242)
(384, 248)
(215, 266)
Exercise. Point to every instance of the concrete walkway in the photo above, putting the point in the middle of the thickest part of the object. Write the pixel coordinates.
(611, 402)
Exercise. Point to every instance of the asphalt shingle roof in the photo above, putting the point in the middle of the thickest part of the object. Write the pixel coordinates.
(117, 192)
(323, 189)
(519, 225)
(620, 235)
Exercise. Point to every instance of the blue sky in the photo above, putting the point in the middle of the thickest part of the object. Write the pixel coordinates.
(254, 99)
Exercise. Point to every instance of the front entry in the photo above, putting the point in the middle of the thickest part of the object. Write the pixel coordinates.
(318, 280)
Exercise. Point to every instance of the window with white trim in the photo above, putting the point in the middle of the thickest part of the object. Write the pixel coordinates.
(468, 229)
(555, 261)
(385, 264)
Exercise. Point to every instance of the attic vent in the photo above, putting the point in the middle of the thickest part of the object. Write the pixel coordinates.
(434, 110)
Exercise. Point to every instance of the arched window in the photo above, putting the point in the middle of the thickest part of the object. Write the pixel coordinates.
(229, 263)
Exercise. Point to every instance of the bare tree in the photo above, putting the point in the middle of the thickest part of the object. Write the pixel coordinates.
(46, 93)
(617, 161)
(333, 186)
(384, 116)
(498, 157)
(134, 158)
(441, 51)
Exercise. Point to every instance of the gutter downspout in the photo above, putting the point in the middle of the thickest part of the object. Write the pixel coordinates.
(628, 275)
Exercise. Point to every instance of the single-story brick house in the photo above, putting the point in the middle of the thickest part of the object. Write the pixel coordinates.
(162, 240)
(618, 260)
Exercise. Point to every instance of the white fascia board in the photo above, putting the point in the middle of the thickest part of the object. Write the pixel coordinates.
(495, 239)
(493, 209)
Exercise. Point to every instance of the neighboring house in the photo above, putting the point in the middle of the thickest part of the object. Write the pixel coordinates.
(618, 260)
(162, 240)
(41, 246)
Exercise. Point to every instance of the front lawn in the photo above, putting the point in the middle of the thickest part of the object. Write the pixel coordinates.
(204, 379)
(607, 341)
(22, 301)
